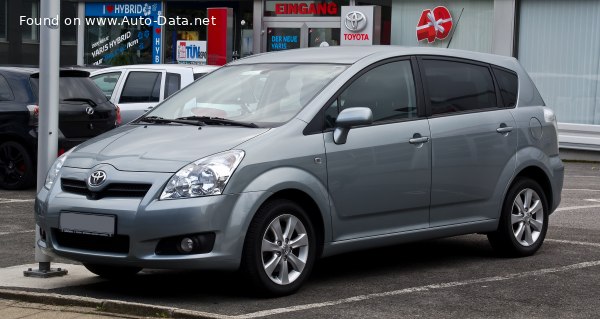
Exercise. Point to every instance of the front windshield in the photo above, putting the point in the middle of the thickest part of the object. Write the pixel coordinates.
(263, 94)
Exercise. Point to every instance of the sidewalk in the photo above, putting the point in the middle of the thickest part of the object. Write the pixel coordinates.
(10, 309)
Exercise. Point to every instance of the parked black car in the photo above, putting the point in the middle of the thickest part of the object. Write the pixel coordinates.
(84, 113)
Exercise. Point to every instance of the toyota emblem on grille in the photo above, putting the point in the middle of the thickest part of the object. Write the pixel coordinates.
(89, 110)
(97, 178)
(355, 21)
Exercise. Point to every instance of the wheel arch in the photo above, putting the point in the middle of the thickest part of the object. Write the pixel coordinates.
(29, 146)
(310, 207)
(539, 175)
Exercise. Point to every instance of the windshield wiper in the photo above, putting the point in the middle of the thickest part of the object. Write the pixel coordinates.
(217, 120)
(88, 101)
(160, 120)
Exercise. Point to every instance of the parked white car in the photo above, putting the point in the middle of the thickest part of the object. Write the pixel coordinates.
(138, 88)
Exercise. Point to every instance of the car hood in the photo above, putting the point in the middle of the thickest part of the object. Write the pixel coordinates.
(158, 148)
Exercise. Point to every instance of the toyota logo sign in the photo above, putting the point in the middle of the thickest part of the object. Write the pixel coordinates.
(89, 110)
(355, 21)
(97, 178)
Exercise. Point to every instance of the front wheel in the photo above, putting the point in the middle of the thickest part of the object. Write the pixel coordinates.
(112, 272)
(524, 220)
(280, 248)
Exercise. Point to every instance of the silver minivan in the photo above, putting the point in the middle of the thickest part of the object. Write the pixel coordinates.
(276, 160)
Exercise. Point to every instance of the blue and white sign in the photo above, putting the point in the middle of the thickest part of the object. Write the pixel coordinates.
(128, 16)
(191, 52)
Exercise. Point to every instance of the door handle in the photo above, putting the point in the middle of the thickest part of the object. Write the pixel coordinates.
(418, 139)
(504, 129)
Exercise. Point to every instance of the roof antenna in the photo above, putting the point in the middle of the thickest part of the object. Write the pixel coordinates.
(454, 29)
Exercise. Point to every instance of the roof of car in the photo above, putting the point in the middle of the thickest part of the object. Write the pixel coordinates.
(352, 54)
(34, 71)
(196, 68)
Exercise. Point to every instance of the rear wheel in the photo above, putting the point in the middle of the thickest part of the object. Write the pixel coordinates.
(524, 220)
(112, 272)
(16, 166)
(280, 248)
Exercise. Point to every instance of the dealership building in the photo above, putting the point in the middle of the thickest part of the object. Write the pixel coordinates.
(558, 42)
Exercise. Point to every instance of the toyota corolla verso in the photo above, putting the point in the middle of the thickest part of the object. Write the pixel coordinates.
(276, 160)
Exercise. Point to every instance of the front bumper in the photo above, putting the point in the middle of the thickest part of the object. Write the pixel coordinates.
(146, 221)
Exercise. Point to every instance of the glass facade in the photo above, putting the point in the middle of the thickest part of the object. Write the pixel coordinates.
(472, 32)
(3, 19)
(563, 59)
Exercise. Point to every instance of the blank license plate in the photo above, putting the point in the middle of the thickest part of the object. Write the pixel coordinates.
(88, 224)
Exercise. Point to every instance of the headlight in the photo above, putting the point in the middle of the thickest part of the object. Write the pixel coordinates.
(55, 169)
(207, 176)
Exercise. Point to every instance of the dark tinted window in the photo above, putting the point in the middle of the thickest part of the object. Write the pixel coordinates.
(198, 75)
(388, 90)
(509, 86)
(6, 93)
(456, 86)
(3, 19)
(173, 84)
(141, 87)
(74, 88)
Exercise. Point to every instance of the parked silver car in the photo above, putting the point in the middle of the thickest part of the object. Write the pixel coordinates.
(278, 159)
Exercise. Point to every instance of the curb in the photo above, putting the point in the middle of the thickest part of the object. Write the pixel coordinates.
(108, 306)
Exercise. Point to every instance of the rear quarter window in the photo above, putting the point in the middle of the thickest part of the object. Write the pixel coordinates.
(509, 86)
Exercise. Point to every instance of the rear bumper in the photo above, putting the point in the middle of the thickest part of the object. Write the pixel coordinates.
(558, 174)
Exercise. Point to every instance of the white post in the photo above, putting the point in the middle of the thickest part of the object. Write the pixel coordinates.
(48, 116)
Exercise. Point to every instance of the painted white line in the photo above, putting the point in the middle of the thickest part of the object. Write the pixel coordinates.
(276, 311)
(593, 200)
(583, 243)
(577, 176)
(17, 232)
(581, 189)
(10, 200)
(575, 207)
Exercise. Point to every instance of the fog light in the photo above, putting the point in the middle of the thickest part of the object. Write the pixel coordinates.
(187, 245)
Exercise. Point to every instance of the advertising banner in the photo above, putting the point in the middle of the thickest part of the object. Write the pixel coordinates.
(360, 25)
(123, 32)
(192, 52)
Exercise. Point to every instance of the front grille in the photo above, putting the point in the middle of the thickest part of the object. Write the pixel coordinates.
(118, 244)
(111, 190)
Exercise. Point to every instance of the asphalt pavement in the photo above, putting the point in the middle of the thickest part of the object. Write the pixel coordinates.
(459, 277)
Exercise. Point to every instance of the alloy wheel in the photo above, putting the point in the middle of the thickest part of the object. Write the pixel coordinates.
(284, 249)
(527, 217)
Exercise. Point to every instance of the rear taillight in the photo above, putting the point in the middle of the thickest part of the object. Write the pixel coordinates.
(118, 113)
(61, 151)
(34, 114)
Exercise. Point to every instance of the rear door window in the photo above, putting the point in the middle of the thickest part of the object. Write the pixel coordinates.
(509, 86)
(458, 86)
(107, 82)
(141, 87)
(173, 84)
(6, 93)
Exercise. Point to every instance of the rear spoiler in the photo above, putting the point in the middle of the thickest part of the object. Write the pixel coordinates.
(67, 73)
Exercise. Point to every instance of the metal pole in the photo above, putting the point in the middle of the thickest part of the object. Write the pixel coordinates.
(48, 116)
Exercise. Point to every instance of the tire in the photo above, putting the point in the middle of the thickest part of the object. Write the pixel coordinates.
(523, 222)
(281, 265)
(17, 170)
(112, 272)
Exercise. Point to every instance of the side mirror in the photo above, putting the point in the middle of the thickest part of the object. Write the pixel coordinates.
(348, 118)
